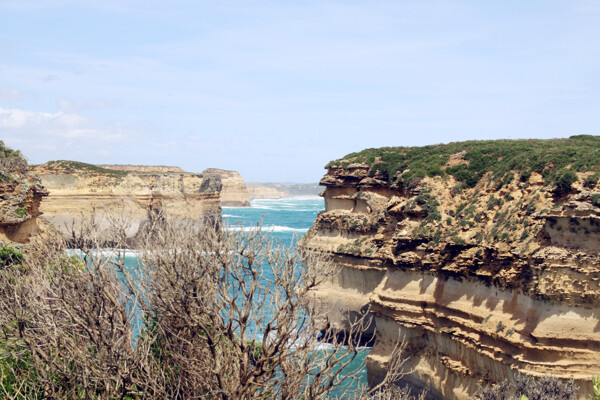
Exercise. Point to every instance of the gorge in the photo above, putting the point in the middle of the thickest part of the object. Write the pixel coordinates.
(481, 256)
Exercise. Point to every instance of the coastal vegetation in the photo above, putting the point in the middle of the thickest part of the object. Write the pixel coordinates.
(11, 161)
(530, 388)
(199, 313)
(557, 160)
(67, 166)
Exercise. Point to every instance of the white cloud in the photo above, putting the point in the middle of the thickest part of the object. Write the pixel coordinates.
(37, 132)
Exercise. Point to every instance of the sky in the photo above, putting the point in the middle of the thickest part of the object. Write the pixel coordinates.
(277, 89)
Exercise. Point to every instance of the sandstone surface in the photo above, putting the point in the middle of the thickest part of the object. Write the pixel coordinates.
(20, 198)
(77, 189)
(481, 280)
(234, 192)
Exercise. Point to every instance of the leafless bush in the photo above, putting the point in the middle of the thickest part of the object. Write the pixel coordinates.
(533, 388)
(203, 314)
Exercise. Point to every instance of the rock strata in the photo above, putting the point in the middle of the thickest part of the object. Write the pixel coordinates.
(234, 192)
(482, 278)
(76, 190)
(20, 196)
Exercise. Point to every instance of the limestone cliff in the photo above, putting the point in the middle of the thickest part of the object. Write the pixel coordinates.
(482, 256)
(234, 192)
(20, 197)
(77, 189)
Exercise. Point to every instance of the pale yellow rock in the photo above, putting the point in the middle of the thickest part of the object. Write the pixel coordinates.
(502, 282)
(234, 192)
(73, 196)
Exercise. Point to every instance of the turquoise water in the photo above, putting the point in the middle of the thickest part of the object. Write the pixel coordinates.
(287, 220)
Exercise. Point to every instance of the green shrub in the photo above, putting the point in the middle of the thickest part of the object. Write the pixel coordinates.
(565, 179)
(592, 180)
(596, 199)
(10, 256)
(407, 165)
(493, 201)
(21, 212)
(525, 175)
(596, 388)
(458, 240)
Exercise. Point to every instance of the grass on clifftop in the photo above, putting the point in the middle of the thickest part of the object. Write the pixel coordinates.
(555, 159)
(62, 166)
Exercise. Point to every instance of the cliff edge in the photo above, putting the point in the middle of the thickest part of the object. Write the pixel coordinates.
(20, 198)
(482, 256)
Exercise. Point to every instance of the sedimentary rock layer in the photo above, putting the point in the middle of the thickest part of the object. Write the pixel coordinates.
(20, 197)
(75, 195)
(481, 281)
(234, 192)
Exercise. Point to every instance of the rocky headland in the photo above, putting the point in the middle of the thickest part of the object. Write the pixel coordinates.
(234, 192)
(20, 196)
(78, 189)
(481, 256)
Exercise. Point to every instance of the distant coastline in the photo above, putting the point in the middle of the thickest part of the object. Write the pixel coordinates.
(267, 190)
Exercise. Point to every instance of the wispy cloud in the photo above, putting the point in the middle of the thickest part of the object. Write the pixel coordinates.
(68, 134)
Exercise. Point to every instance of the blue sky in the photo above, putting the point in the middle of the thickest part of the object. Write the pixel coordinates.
(276, 89)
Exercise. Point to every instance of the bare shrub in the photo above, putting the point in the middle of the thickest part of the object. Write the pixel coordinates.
(203, 314)
(533, 388)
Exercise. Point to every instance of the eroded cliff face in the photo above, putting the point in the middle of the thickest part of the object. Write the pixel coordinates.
(481, 282)
(234, 192)
(20, 198)
(74, 194)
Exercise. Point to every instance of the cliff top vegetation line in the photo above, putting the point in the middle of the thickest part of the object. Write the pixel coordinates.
(77, 167)
(556, 160)
(11, 161)
(114, 171)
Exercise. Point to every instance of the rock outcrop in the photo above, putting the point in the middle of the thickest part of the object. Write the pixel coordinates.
(78, 189)
(481, 256)
(234, 192)
(20, 198)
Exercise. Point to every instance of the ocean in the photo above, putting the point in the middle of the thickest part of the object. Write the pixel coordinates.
(287, 220)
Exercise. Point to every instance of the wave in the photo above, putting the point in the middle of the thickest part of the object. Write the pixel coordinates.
(270, 228)
(231, 216)
(106, 252)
